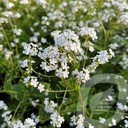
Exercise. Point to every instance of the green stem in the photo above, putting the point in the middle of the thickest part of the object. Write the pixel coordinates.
(83, 105)
(105, 34)
(17, 109)
(6, 37)
(7, 91)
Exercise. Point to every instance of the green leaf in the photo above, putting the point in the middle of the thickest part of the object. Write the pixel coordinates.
(71, 108)
(83, 98)
(95, 101)
(20, 95)
(8, 85)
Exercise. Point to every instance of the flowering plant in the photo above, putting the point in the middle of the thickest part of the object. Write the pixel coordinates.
(51, 55)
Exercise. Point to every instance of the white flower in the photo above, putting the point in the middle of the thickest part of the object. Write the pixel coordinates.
(120, 106)
(26, 79)
(110, 98)
(102, 120)
(9, 5)
(27, 49)
(73, 120)
(58, 24)
(126, 107)
(114, 121)
(91, 48)
(60, 120)
(5, 114)
(55, 33)
(126, 123)
(3, 105)
(127, 98)
(43, 40)
(33, 39)
(111, 53)
(8, 54)
(36, 34)
(24, 63)
(1, 36)
(29, 123)
(34, 102)
(41, 87)
(114, 46)
(7, 14)
(34, 82)
(16, 40)
(65, 73)
(17, 15)
(90, 126)
(17, 31)
(24, 2)
(124, 90)
(103, 57)
(42, 2)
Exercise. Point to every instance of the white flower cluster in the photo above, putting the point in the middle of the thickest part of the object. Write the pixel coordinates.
(69, 41)
(34, 102)
(114, 122)
(122, 107)
(50, 107)
(32, 81)
(102, 58)
(77, 5)
(8, 122)
(124, 18)
(77, 121)
(57, 57)
(89, 45)
(124, 61)
(30, 49)
(87, 31)
(28, 123)
(103, 120)
(82, 76)
(52, 55)
(122, 5)
(56, 119)
(114, 46)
